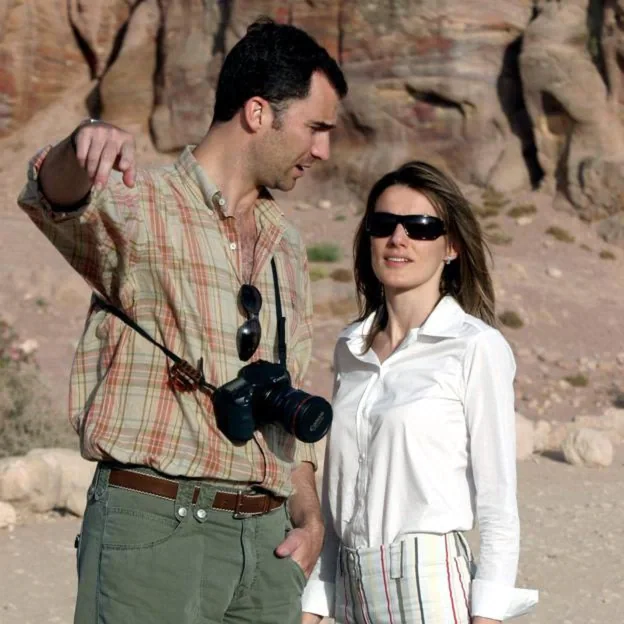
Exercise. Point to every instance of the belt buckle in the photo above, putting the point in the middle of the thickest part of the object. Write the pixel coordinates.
(238, 514)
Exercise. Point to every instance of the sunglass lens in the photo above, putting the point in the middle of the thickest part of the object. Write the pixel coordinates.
(424, 227)
(382, 224)
(248, 338)
(250, 299)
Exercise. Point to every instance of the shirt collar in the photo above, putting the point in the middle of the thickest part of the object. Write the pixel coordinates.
(209, 193)
(445, 321)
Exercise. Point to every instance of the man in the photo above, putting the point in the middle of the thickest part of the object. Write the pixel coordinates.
(182, 523)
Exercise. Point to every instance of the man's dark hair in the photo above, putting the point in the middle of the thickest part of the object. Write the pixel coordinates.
(275, 62)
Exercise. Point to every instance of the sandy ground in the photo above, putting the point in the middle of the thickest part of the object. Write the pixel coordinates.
(573, 539)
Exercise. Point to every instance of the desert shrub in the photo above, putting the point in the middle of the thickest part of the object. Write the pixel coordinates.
(317, 273)
(340, 217)
(493, 198)
(579, 380)
(341, 275)
(585, 247)
(27, 418)
(523, 210)
(560, 234)
(606, 254)
(486, 211)
(324, 252)
(498, 237)
(512, 319)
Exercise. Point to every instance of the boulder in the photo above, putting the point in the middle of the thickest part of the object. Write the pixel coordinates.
(8, 516)
(525, 437)
(587, 447)
(47, 479)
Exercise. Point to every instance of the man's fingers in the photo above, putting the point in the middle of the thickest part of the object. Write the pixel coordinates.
(83, 142)
(126, 163)
(101, 147)
(107, 160)
(289, 545)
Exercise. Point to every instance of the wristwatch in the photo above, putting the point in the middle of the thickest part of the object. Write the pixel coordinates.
(79, 127)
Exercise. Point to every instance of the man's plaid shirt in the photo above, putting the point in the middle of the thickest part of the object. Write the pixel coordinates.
(167, 253)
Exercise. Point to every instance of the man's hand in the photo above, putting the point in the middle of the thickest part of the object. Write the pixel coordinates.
(311, 618)
(303, 545)
(66, 176)
(101, 147)
(481, 620)
(305, 541)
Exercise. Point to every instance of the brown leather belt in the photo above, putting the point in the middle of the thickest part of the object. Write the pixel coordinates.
(236, 502)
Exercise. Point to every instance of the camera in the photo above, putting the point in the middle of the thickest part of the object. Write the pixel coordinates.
(262, 393)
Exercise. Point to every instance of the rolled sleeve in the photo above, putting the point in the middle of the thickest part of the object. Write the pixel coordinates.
(305, 452)
(101, 238)
(489, 371)
(500, 602)
(34, 202)
(319, 598)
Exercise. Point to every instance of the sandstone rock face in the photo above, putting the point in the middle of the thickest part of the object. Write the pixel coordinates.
(505, 94)
(571, 76)
(39, 58)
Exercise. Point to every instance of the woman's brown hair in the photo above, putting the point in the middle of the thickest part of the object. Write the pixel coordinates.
(467, 278)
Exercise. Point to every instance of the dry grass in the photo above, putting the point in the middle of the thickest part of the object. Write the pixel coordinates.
(523, 210)
(498, 237)
(606, 254)
(511, 319)
(345, 309)
(27, 419)
(486, 211)
(560, 234)
(342, 275)
(324, 252)
(579, 380)
(317, 273)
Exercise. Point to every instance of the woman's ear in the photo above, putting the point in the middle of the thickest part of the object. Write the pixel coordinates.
(452, 251)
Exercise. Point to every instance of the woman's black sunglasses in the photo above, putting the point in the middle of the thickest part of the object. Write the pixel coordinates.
(418, 227)
(249, 333)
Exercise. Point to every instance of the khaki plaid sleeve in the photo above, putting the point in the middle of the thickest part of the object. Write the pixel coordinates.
(305, 452)
(100, 239)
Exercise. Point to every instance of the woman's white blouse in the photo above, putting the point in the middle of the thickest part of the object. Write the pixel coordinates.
(425, 442)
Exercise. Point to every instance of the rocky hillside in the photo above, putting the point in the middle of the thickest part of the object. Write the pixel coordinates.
(511, 95)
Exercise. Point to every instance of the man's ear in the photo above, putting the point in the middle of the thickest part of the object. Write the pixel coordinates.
(257, 114)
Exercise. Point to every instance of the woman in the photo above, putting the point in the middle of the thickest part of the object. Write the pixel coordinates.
(423, 440)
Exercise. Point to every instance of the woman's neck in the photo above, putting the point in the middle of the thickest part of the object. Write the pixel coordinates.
(406, 311)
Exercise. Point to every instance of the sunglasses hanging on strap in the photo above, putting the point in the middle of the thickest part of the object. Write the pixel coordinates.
(184, 376)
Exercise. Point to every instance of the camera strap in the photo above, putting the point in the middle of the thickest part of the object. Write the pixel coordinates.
(281, 319)
(184, 375)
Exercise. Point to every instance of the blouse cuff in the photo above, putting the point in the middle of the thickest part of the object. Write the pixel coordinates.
(500, 602)
(318, 598)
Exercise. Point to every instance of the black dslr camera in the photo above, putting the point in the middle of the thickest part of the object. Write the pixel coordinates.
(262, 393)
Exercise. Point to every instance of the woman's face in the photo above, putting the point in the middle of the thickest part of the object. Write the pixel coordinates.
(399, 262)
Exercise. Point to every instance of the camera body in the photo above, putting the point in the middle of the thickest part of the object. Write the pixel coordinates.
(262, 393)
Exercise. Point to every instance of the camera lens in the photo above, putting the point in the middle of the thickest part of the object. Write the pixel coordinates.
(305, 416)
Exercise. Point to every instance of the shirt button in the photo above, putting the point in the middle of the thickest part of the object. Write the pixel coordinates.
(362, 459)
(181, 512)
(210, 212)
(221, 201)
(201, 514)
(232, 246)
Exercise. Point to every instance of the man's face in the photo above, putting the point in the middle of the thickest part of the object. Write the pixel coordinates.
(299, 136)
